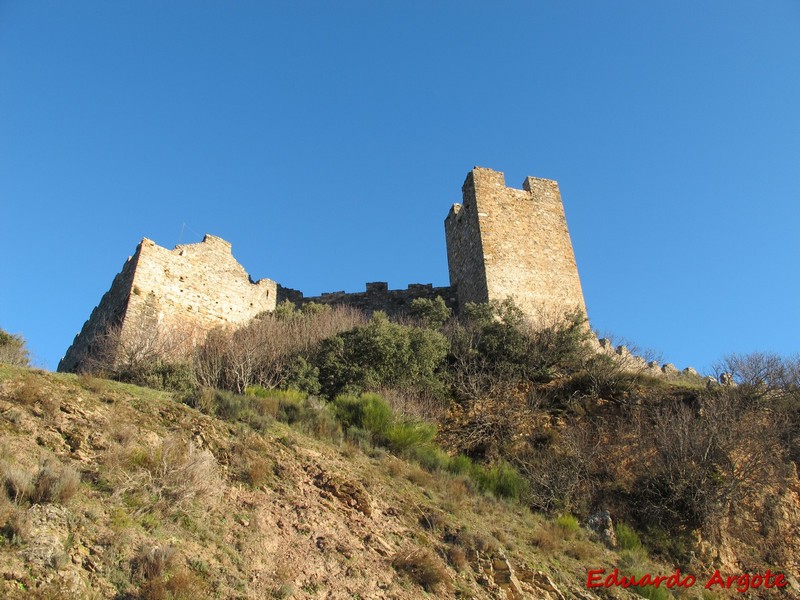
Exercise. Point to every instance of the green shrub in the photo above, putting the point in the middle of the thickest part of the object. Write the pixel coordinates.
(568, 523)
(369, 412)
(430, 456)
(429, 313)
(460, 465)
(302, 375)
(627, 538)
(494, 344)
(501, 479)
(253, 411)
(164, 375)
(403, 437)
(382, 354)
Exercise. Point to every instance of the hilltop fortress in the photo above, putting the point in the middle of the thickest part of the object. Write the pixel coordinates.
(501, 242)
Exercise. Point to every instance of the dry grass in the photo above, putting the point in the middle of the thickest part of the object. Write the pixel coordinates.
(13, 522)
(454, 490)
(394, 467)
(180, 478)
(152, 561)
(547, 538)
(181, 585)
(419, 476)
(423, 567)
(54, 483)
(16, 481)
(457, 557)
(432, 519)
(29, 391)
(580, 550)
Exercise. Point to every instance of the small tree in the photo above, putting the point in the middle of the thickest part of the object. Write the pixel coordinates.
(13, 350)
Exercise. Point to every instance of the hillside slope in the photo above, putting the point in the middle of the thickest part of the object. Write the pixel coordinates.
(115, 491)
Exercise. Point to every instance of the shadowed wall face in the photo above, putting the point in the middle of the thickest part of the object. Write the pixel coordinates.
(503, 242)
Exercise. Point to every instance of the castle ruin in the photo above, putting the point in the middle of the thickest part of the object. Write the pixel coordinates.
(501, 243)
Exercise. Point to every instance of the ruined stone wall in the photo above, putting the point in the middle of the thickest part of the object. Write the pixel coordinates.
(182, 292)
(522, 241)
(110, 311)
(377, 296)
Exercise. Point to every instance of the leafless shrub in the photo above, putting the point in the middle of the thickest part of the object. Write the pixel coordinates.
(261, 352)
(181, 477)
(560, 471)
(54, 483)
(13, 350)
(152, 561)
(133, 351)
(415, 404)
(423, 567)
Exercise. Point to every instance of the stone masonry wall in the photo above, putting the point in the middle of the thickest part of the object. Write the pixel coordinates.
(501, 242)
(110, 311)
(523, 241)
(377, 296)
(188, 291)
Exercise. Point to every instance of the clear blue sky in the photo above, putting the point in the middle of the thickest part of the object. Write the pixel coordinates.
(327, 141)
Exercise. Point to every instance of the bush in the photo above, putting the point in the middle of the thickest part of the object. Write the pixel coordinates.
(501, 479)
(13, 350)
(423, 567)
(382, 354)
(369, 412)
(253, 411)
(568, 524)
(627, 538)
(429, 313)
(54, 483)
(460, 465)
(495, 343)
(406, 436)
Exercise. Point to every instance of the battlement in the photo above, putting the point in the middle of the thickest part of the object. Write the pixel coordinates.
(377, 296)
(501, 242)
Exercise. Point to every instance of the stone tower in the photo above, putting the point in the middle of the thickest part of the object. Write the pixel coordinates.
(503, 242)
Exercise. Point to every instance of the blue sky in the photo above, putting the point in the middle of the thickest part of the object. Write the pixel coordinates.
(327, 142)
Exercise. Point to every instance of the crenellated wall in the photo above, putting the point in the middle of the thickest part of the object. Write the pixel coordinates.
(377, 296)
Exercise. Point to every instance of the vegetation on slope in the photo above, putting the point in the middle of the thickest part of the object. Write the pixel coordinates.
(115, 491)
(514, 415)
